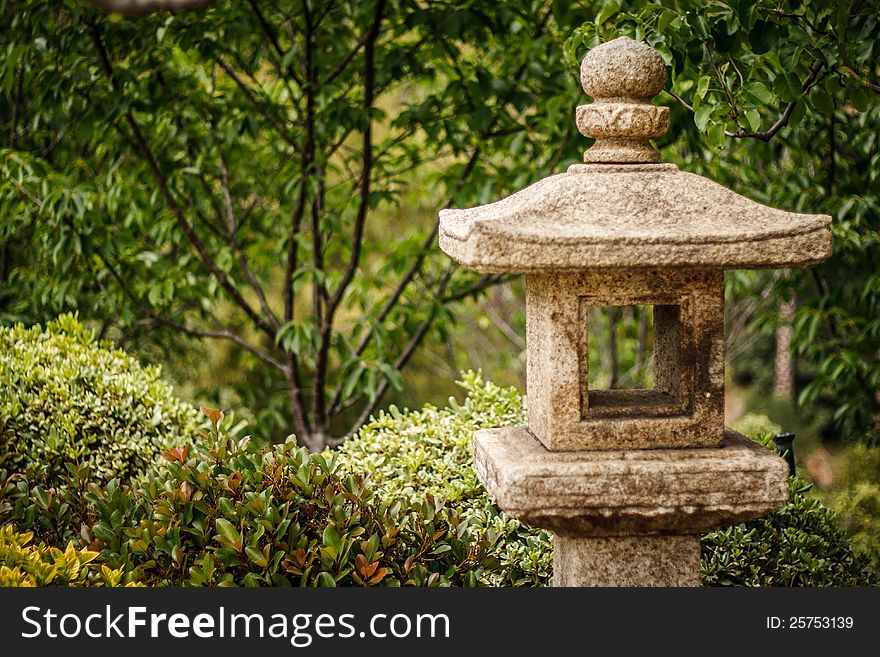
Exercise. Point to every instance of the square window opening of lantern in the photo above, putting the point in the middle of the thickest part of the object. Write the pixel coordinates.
(659, 382)
(688, 370)
(620, 340)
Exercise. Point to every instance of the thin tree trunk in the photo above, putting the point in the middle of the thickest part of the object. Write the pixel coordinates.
(297, 405)
(613, 323)
(784, 381)
(643, 345)
(5, 260)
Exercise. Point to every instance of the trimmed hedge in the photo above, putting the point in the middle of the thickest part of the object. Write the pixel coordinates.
(413, 453)
(228, 513)
(399, 504)
(802, 544)
(68, 399)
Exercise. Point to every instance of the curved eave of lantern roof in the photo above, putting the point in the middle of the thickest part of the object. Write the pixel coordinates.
(630, 216)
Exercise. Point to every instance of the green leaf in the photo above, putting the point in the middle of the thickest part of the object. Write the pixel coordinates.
(860, 99)
(763, 37)
(331, 537)
(754, 120)
(288, 58)
(665, 19)
(797, 113)
(787, 87)
(256, 556)
(822, 101)
(226, 506)
(228, 556)
(41, 497)
(481, 119)
(759, 92)
(325, 580)
(607, 11)
(351, 381)
(703, 86)
(716, 135)
(702, 115)
(228, 531)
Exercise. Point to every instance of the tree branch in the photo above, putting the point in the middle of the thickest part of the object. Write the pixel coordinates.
(413, 270)
(248, 93)
(346, 61)
(177, 211)
(319, 287)
(402, 359)
(722, 79)
(687, 106)
(380, 89)
(736, 69)
(293, 250)
(206, 186)
(811, 81)
(304, 428)
(319, 402)
(484, 282)
(273, 39)
(232, 226)
(225, 333)
(429, 241)
(297, 404)
(858, 78)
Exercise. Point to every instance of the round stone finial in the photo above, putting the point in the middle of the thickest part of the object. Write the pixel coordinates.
(623, 68)
(622, 76)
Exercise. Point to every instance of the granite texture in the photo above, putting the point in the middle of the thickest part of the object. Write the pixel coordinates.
(629, 492)
(623, 68)
(626, 561)
(622, 76)
(619, 217)
(686, 406)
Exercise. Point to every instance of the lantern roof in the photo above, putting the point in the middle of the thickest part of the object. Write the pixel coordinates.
(622, 208)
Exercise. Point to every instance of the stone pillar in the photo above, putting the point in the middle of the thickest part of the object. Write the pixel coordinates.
(626, 561)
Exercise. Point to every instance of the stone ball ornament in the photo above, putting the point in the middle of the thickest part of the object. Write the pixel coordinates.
(623, 68)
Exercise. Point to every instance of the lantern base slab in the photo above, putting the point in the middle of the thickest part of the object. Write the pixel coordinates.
(638, 492)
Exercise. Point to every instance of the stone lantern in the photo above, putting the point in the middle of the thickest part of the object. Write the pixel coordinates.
(628, 479)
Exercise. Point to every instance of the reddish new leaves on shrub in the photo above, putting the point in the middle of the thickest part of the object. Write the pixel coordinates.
(176, 454)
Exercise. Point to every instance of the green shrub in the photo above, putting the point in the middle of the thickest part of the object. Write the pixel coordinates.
(802, 544)
(429, 451)
(237, 514)
(67, 398)
(23, 564)
(856, 499)
(398, 504)
(228, 512)
(756, 424)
